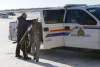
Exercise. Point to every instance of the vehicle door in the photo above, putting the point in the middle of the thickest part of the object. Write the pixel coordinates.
(83, 29)
(53, 29)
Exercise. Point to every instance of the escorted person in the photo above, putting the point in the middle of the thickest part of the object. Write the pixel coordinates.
(35, 36)
(21, 29)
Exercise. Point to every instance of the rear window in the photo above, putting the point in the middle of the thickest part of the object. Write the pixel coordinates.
(53, 16)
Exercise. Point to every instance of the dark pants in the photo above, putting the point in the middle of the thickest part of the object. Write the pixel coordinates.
(21, 46)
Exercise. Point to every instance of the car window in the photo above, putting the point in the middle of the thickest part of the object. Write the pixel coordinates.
(53, 16)
(80, 17)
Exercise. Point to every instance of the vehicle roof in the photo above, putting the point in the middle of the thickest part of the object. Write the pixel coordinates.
(53, 8)
(72, 7)
(83, 7)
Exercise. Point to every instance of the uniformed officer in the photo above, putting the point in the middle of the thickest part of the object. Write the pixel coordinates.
(21, 28)
(36, 38)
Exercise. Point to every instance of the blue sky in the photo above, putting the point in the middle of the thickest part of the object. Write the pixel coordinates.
(13, 4)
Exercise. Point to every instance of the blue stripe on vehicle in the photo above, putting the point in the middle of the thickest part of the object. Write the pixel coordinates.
(58, 34)
(89, 27)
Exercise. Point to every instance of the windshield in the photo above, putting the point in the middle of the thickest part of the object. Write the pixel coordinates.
(95, 11)
(53, 16)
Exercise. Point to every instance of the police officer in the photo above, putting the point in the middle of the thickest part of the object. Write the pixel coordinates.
(36, 38)
(21, 28)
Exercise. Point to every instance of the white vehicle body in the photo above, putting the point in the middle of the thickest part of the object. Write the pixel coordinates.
(62, 30)
(89, 23)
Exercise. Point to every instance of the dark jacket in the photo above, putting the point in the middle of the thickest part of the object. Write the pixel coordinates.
(22, 25)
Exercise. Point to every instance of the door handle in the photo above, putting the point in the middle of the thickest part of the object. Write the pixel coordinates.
(46, 29)
(67, 27)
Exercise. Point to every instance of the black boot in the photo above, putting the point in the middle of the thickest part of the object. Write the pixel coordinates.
(27, 58)
(37, 60)
(18, 56)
